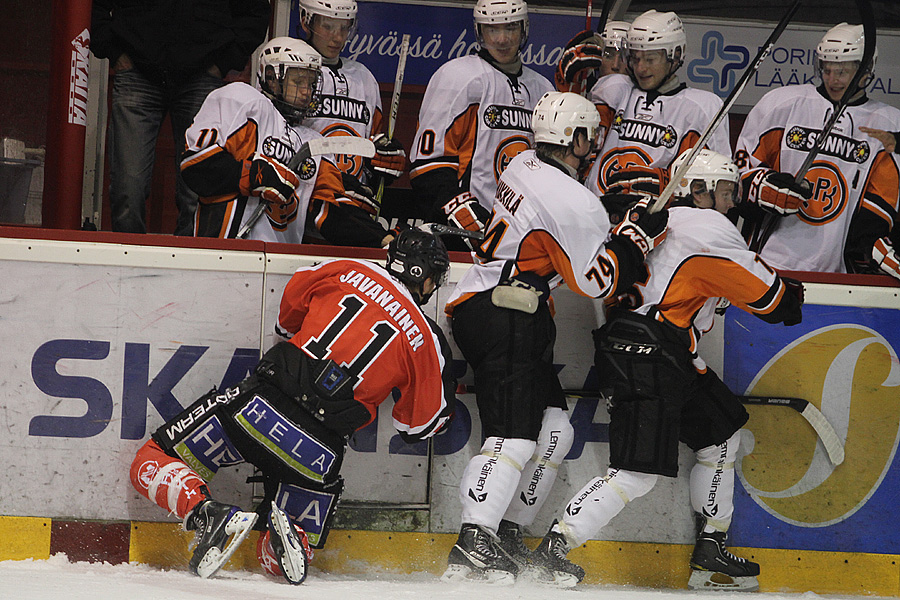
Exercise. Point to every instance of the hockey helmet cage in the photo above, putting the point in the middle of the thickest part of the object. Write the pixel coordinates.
(843, 43)
(281, 54)
(614, 34)
(334, 9)
(494, 12)
(414, 256)
(709, 168)
(558, 115)
(658, 31)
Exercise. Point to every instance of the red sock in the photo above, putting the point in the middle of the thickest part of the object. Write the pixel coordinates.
(165, 480)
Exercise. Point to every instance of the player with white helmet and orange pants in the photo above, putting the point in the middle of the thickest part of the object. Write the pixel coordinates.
(349, 101)
(843, 221)
(660, 392)
(475, 117)
(546, 229)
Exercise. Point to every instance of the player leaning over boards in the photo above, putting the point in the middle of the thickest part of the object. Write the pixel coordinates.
(475, 117)
(546, 229)
(349, 101)
(840, 222)
(355, 333)
(649, 116)
(238, 148)
(660, 392)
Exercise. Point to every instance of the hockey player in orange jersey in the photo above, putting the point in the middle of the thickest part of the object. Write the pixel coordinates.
(661, 392)
(546, 229)
(355, 332)
(475, 117)
(239, 145)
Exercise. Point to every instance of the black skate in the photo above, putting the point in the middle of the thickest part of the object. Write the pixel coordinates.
(550, 559)
(715, 568)
(293, 552)
(511, 542)
(477, 556)
(220, 530)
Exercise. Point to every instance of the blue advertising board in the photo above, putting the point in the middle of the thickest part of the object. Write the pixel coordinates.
(844, 361)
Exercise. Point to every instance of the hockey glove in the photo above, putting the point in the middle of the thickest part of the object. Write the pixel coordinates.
(776, 192)
(647, 181)
(643, 229)
(795, 288)
(362, 195)
(580, 58)
(885, 257)
(617, 205)
(390, 158)
(464, 211)
(269, 179)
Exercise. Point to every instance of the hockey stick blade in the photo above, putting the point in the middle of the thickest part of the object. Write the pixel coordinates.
(441, 229)
(342, 144)
(829, 437)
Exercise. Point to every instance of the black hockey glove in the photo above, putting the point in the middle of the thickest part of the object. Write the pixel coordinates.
(362, 195)
(268, 179)
(776, 192)
(464, 211)
(648, 181)
(643, 229)
(582, 55)
(390, 158)
(795, 288)
(885, 256)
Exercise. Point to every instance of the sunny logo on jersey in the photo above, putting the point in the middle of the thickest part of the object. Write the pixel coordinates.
(846, 364)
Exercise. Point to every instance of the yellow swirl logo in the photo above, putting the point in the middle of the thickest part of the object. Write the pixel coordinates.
(851, 373)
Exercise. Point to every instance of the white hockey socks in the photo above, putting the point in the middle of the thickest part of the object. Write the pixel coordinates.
(491, 478)
(601, 500)
(712, 484)
(539, 474)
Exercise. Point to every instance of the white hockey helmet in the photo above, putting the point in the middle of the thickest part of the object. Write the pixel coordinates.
(493, 12)
(709, 168)
(335, 9)
(280, 55)
(658, 31)
(843, 43)
(558, 115)
(614, 34)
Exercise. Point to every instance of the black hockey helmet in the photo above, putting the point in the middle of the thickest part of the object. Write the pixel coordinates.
(414, 256)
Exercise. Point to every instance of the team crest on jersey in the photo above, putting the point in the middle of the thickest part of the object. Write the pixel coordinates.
(507, 117)
(341, 107)
(278, 149)
(507, 150)
(620, 158)
(307, 169)
(838, 146)
(651, 134)
(830, 194)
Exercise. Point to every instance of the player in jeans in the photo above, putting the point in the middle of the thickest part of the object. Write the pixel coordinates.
(355, 332)
(661, 392)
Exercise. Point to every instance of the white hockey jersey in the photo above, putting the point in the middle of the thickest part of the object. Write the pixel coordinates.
(239, 120)
(704, 258)
(545, 222)
(349, 103)
(779, 132)
(474, 119)
(648, 129)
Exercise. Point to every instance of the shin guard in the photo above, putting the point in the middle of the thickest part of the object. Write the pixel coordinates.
(712, 484)
(490, 479)
(165, 480)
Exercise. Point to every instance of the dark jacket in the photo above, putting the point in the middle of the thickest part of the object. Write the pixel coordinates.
(171, 40)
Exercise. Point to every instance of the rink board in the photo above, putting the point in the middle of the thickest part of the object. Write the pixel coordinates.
(110, 339)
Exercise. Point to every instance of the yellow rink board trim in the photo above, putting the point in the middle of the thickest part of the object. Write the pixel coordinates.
(165, 546)
(24, 537)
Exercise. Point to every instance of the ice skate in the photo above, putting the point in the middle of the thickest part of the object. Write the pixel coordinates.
(553, 568)
(715, 568)
(290, 546)
(220, 530)
(511, 542)
(477, 556)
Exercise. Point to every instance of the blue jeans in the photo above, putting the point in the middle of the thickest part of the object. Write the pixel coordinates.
(139, 106)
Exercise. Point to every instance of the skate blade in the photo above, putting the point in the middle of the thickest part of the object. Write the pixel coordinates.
(238, 526)
(713, 580)
(294, 561)
(456, 573)
(545, 576)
